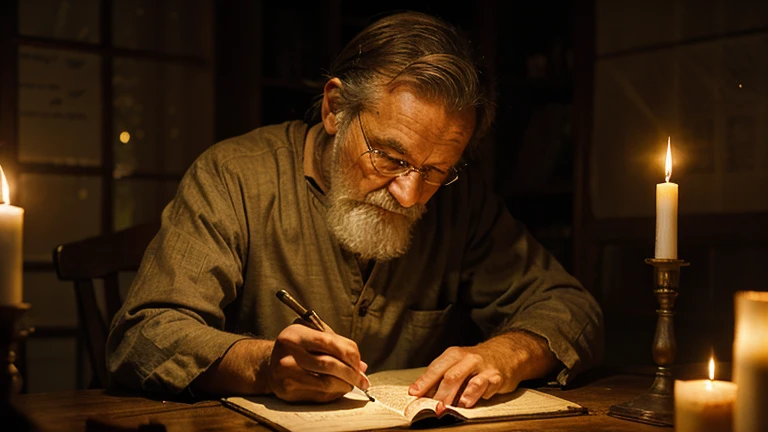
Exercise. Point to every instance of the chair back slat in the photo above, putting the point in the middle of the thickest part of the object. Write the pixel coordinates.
(95, 332)
(102, 257)
(112, 295)
(97, 257)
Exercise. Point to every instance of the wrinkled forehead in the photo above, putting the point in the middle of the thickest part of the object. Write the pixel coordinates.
(451, 103)
(439, 120)
(424, 130)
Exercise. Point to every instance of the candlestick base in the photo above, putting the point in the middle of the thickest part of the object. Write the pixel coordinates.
(657, 405)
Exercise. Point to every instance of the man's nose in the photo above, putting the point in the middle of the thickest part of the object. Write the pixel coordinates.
(407, 188)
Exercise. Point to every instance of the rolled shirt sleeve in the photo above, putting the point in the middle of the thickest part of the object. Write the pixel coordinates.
(172, 325)
(512, 282)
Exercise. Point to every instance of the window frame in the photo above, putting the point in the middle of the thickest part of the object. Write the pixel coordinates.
(10, 42)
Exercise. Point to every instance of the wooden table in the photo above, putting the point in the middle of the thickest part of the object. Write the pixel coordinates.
(69, 411)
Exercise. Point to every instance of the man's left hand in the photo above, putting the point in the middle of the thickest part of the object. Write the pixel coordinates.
(462, 375)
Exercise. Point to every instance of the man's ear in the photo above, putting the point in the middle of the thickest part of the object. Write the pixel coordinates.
(330, 105)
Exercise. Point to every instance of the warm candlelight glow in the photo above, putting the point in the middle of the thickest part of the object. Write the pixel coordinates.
(6, 192)
(705, 405)
(666, 213)
(750, 357)
(668, 164)
(11, 228)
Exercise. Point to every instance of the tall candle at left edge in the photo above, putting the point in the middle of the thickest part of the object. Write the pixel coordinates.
(11, 258)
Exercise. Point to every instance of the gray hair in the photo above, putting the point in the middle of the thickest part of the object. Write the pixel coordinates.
(417, 50)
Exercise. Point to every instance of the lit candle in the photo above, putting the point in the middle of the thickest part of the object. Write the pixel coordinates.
(11, 224)
(750, 361)
(666, 213)
(704, 405)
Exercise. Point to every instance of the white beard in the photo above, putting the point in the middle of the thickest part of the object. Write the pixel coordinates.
(377, 227)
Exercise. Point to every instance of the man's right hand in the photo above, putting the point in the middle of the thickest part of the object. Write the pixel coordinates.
(310, 365)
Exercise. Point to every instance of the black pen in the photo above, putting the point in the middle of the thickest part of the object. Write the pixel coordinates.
(314, 320)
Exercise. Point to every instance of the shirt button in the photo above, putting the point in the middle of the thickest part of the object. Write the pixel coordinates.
(363, 310)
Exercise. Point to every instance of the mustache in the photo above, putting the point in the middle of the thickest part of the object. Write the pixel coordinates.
(382, 198)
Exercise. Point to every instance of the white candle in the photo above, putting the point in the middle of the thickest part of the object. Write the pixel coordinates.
(666, 213)
(704, 405)
(750, 361)
(11, 225)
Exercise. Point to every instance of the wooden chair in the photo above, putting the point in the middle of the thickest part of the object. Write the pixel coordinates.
(102, 257)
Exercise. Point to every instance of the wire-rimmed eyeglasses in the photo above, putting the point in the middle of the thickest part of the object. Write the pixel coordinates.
(387, 165)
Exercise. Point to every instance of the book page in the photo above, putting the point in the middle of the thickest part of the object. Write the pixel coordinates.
(394, 407)
(391, 389)
(520, 403)
(400, 377)
(397, 398)
(421, 408)
(343, 415)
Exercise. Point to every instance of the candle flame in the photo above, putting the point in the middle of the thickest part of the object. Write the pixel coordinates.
(711, 368)
(6, 192)
(668, 164)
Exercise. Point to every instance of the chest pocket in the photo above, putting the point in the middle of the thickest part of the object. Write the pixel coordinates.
(423, 337)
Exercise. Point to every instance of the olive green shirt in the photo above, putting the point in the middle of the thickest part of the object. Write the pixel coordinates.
(246, 223)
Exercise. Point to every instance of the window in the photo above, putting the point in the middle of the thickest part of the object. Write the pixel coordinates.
(103, 106)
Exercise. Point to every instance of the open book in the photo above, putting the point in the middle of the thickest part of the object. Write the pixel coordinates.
(394, 408)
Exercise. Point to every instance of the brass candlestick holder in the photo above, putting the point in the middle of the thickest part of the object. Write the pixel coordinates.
(657, 405)
(10, 334)
(10, 378)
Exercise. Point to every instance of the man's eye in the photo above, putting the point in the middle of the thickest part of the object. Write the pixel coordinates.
(395, 161)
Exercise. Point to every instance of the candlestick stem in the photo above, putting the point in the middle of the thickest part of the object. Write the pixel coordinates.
(656, 406)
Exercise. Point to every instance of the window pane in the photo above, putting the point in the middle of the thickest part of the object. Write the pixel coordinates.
(711, 98)
(57, 209)
(172, 26)
(59, 107)
(70, 20)
(52, 300)
(141, 201)
(627, 24)
(165, 112)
